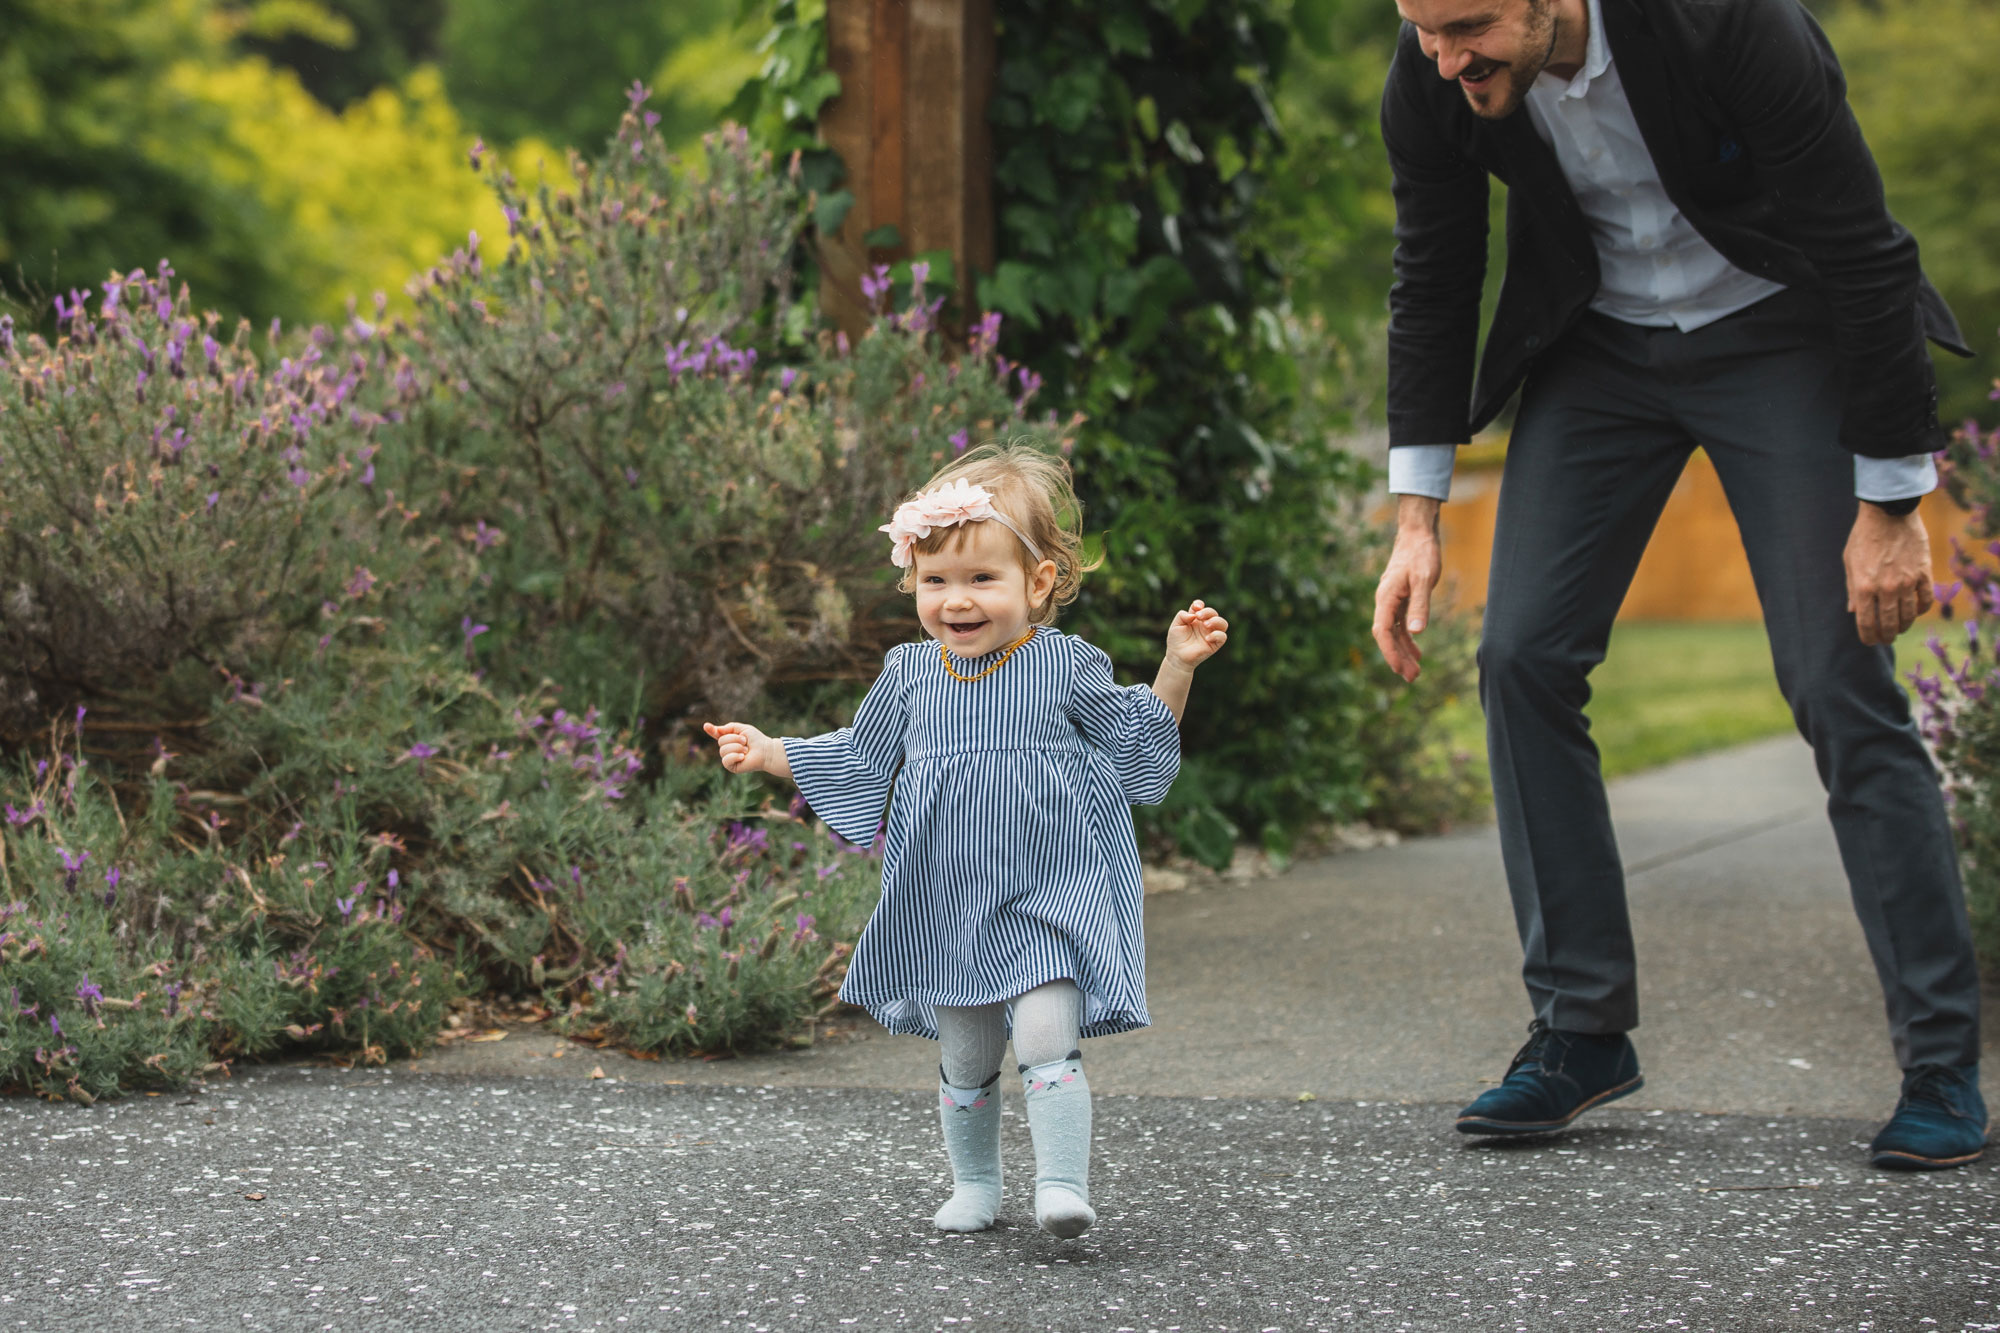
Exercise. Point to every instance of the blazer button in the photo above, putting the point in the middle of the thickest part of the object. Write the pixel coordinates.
(1532, 341)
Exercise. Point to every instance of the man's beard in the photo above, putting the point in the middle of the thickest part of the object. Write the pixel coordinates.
(1502, 95)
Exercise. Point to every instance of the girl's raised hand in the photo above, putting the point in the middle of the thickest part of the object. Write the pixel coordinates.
(744, 748)
(1196, 634)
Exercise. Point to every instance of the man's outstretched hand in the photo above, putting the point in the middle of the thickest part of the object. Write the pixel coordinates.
(1403, 597)
(1888, 574)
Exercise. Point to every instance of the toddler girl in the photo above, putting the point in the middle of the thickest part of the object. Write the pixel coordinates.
(1010, 878)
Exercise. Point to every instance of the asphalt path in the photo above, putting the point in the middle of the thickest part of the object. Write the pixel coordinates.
(316, 1199)
(1275, 1153)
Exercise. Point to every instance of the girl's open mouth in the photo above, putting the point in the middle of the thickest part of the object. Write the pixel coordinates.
(968, 629)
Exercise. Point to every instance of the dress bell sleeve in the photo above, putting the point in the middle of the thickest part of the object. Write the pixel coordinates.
(1129, 725)
(845, 775)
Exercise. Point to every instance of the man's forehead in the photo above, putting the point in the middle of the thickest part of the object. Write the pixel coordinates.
(1437, 15)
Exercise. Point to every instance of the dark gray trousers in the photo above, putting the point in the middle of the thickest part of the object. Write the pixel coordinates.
(1606, 425)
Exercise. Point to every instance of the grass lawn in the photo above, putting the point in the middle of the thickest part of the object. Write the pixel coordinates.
(1669, 690)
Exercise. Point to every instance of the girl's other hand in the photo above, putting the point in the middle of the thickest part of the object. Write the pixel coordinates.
(1196, 635)
(744, 748)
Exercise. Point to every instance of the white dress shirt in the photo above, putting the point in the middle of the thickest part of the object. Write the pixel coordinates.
(1655, 268)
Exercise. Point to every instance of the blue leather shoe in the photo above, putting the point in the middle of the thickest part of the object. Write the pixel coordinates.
(1940, 1121)
(1556, 1077)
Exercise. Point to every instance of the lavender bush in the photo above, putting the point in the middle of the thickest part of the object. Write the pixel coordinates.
(308, 658)
(1959, 698)
(409, 837)
(167, 498)
(636, 458)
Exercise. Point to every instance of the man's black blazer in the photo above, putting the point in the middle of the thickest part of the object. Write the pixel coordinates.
(1744, 108)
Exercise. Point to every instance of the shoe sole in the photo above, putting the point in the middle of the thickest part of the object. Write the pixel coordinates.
(1470, 1124)
(1909, 1161)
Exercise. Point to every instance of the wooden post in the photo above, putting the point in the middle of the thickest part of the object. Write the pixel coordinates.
(910, 124)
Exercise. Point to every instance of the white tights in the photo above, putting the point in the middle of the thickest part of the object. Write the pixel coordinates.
(1048, 1022)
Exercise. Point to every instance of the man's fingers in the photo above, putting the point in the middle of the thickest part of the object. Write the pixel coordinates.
(1869, 620)
(1419, 614)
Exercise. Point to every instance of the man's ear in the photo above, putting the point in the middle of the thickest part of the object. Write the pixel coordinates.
(1041, 582)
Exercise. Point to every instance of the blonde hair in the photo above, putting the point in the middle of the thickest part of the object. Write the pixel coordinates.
(1036, 492)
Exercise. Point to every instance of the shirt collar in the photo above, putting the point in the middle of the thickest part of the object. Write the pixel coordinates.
(1596, 56)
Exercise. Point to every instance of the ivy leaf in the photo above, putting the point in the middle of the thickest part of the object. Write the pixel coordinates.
(1206, 834)
(831, 211)
(805, 100)
(1035, 229)
(1229, 159)
(1010, 290)
(1074, 98)
(1026, 169)
(1125, 34)
(1183, 144)
(1147, 111)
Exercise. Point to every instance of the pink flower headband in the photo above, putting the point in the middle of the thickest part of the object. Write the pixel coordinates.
(954, 502)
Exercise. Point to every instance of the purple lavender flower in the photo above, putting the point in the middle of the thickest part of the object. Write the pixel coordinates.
(7, 335)
(986, 333)
(420, 752)
(362, 581)
(637, 94)
(471, 632)
(55, 1027)
(89, 995)
(787, 378)
(346, 905)
(173, 989)
(875, 287)
(71, 865)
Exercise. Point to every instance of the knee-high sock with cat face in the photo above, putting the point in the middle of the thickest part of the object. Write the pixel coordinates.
(1047, 1024)
(1058, 1098)
(972, 1039)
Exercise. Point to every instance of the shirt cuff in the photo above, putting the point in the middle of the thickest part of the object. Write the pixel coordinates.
(1425, 469)
(1874, 478)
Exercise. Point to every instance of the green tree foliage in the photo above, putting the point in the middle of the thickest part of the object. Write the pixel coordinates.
(108, 162)
(341, 50)
(526, 68)
(1919, 78)
(1325, 213)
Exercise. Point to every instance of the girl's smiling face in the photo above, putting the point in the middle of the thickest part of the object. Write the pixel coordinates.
(974, 595)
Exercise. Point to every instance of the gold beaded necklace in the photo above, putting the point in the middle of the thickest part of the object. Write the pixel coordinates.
(945, 653)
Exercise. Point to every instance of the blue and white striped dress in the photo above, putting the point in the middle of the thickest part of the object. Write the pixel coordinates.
(1009, 859)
